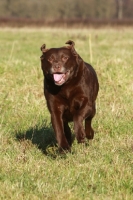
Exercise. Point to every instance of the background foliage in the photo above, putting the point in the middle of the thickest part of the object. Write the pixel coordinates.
(43, 9)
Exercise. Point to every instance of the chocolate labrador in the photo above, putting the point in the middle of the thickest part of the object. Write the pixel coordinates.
(70, 88)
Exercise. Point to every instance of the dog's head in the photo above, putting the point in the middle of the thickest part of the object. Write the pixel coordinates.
(60, 64)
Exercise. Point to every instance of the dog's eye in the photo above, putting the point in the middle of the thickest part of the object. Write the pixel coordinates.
(51, 58)
(65, 58)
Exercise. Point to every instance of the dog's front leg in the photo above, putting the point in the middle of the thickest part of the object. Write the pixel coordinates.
(80, 115)
(57, 123)
(79, 129)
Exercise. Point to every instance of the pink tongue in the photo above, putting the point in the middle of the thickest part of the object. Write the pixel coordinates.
(58, 77)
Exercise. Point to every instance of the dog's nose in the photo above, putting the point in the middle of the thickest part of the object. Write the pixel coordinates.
(57, 66)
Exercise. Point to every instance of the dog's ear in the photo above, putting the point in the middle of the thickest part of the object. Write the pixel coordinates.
(43, 48)
(71, 46)
(71, 43)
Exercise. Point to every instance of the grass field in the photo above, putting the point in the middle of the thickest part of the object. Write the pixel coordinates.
(30, 167)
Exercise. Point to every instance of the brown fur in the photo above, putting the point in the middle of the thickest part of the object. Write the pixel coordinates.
(70, 88)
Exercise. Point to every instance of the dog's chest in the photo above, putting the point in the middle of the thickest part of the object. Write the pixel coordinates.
(71, 107)
(72, 102)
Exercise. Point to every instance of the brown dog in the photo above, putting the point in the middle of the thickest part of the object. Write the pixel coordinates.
(70, 88)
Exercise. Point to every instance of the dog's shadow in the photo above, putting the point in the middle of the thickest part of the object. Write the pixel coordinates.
(43, 137)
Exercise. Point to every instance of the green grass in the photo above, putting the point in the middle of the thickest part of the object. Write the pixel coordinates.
(30, 167)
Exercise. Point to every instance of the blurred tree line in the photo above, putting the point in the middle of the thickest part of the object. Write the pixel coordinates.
(67, 9)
